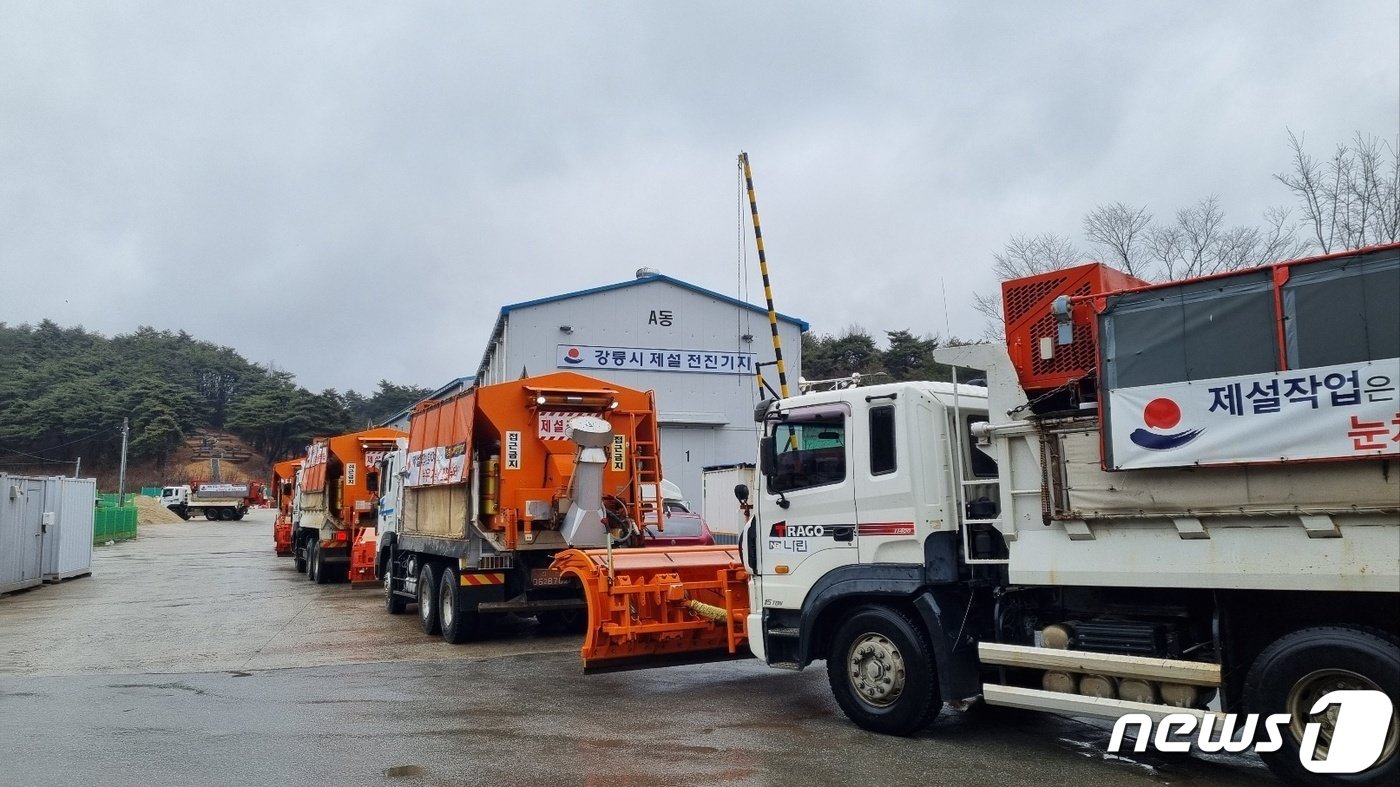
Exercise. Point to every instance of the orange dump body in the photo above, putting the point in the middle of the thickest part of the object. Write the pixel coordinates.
(283, 489)
(649, 607)
(516, 431)
(346, 469)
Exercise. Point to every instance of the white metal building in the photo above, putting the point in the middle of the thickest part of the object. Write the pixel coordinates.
(696, 348)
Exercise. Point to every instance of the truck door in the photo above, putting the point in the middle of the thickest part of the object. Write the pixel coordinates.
(390, 491)
(884, 493)
(807, 503)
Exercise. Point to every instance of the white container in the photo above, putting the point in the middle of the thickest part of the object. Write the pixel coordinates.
(718, 505)
(21, 532)
(68, 512)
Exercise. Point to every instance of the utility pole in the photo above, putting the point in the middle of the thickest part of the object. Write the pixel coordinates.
(121, 474)
(78, 467)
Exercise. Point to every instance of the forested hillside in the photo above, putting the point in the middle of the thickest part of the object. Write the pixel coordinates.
(908, 357)
(64, 392)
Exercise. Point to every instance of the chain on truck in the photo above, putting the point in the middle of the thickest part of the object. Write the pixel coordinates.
(1162, 499)
(492, 482)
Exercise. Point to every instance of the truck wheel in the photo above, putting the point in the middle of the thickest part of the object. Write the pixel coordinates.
(299, 557)
(458, 623)
(393, 604)
(237, 515)
(427, 600)
(180, 511)
(319, 565)
(211, 514)
(881, 670)
(313, 549)
(1295, 672)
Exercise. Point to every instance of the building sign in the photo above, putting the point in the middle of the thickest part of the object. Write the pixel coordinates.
(350, 473)
(642, 359)
(512, 450)
(1329, 412)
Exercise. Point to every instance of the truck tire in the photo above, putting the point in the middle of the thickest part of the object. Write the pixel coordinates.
(180, 511)
(427, 600)
(319, 564)
(313, 553)
(393, 604)
(237, 515)
(881, 670)
(211, 514)
(299, 557)
(1298, 669)
(458, 623)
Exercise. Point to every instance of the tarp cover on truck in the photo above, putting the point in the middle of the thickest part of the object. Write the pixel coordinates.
(1296, 361)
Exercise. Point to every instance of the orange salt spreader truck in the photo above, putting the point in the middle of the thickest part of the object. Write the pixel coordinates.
(284, 487)
(335, 513)
(496, 480)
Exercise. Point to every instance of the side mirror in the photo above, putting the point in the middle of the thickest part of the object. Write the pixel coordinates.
(741, 492)
(767, 455)
(760, 410)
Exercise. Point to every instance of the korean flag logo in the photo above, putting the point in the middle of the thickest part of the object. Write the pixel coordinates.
(1160, 415)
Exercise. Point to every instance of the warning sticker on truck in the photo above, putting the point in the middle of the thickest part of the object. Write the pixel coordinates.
(619, 453)
(512, 451)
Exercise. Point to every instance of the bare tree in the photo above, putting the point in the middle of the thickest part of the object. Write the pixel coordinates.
(1353, 198)
(1023, 255)
(1119, 232)
(1200, 243)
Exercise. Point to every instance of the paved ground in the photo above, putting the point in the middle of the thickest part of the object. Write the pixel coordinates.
(195, 656)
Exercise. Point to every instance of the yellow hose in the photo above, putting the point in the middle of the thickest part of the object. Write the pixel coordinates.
(708, 611)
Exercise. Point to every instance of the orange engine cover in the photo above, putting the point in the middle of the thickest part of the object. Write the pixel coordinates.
(1026, 304)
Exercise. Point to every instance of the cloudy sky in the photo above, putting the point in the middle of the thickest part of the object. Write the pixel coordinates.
(352, 189)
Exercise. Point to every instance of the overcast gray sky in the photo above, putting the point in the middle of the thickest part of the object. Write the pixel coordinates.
(353, 189)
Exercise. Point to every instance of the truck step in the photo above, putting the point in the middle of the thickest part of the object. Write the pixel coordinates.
(1075, 704)
(785, 631)
(1194, 673)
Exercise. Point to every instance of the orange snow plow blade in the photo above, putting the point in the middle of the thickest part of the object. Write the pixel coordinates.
(655, 607)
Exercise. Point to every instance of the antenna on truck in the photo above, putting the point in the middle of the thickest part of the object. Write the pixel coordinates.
(763, 269)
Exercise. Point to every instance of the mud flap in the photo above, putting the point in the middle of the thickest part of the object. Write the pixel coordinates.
(959, 676)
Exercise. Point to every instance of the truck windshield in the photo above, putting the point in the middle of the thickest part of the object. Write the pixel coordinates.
(810, 452)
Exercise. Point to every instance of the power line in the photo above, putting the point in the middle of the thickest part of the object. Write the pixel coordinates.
(61, 445)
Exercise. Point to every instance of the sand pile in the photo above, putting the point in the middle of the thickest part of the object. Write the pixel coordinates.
(149, 511)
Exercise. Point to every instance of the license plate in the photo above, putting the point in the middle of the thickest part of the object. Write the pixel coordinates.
(545, 578)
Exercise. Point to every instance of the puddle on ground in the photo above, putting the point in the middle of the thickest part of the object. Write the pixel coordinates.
(399, 771)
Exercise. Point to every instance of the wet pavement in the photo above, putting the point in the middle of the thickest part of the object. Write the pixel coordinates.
(195, 656)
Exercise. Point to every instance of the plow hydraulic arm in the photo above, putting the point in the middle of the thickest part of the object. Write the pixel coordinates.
(654, 607)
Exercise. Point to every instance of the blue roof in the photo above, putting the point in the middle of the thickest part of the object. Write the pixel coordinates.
(801, 324)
